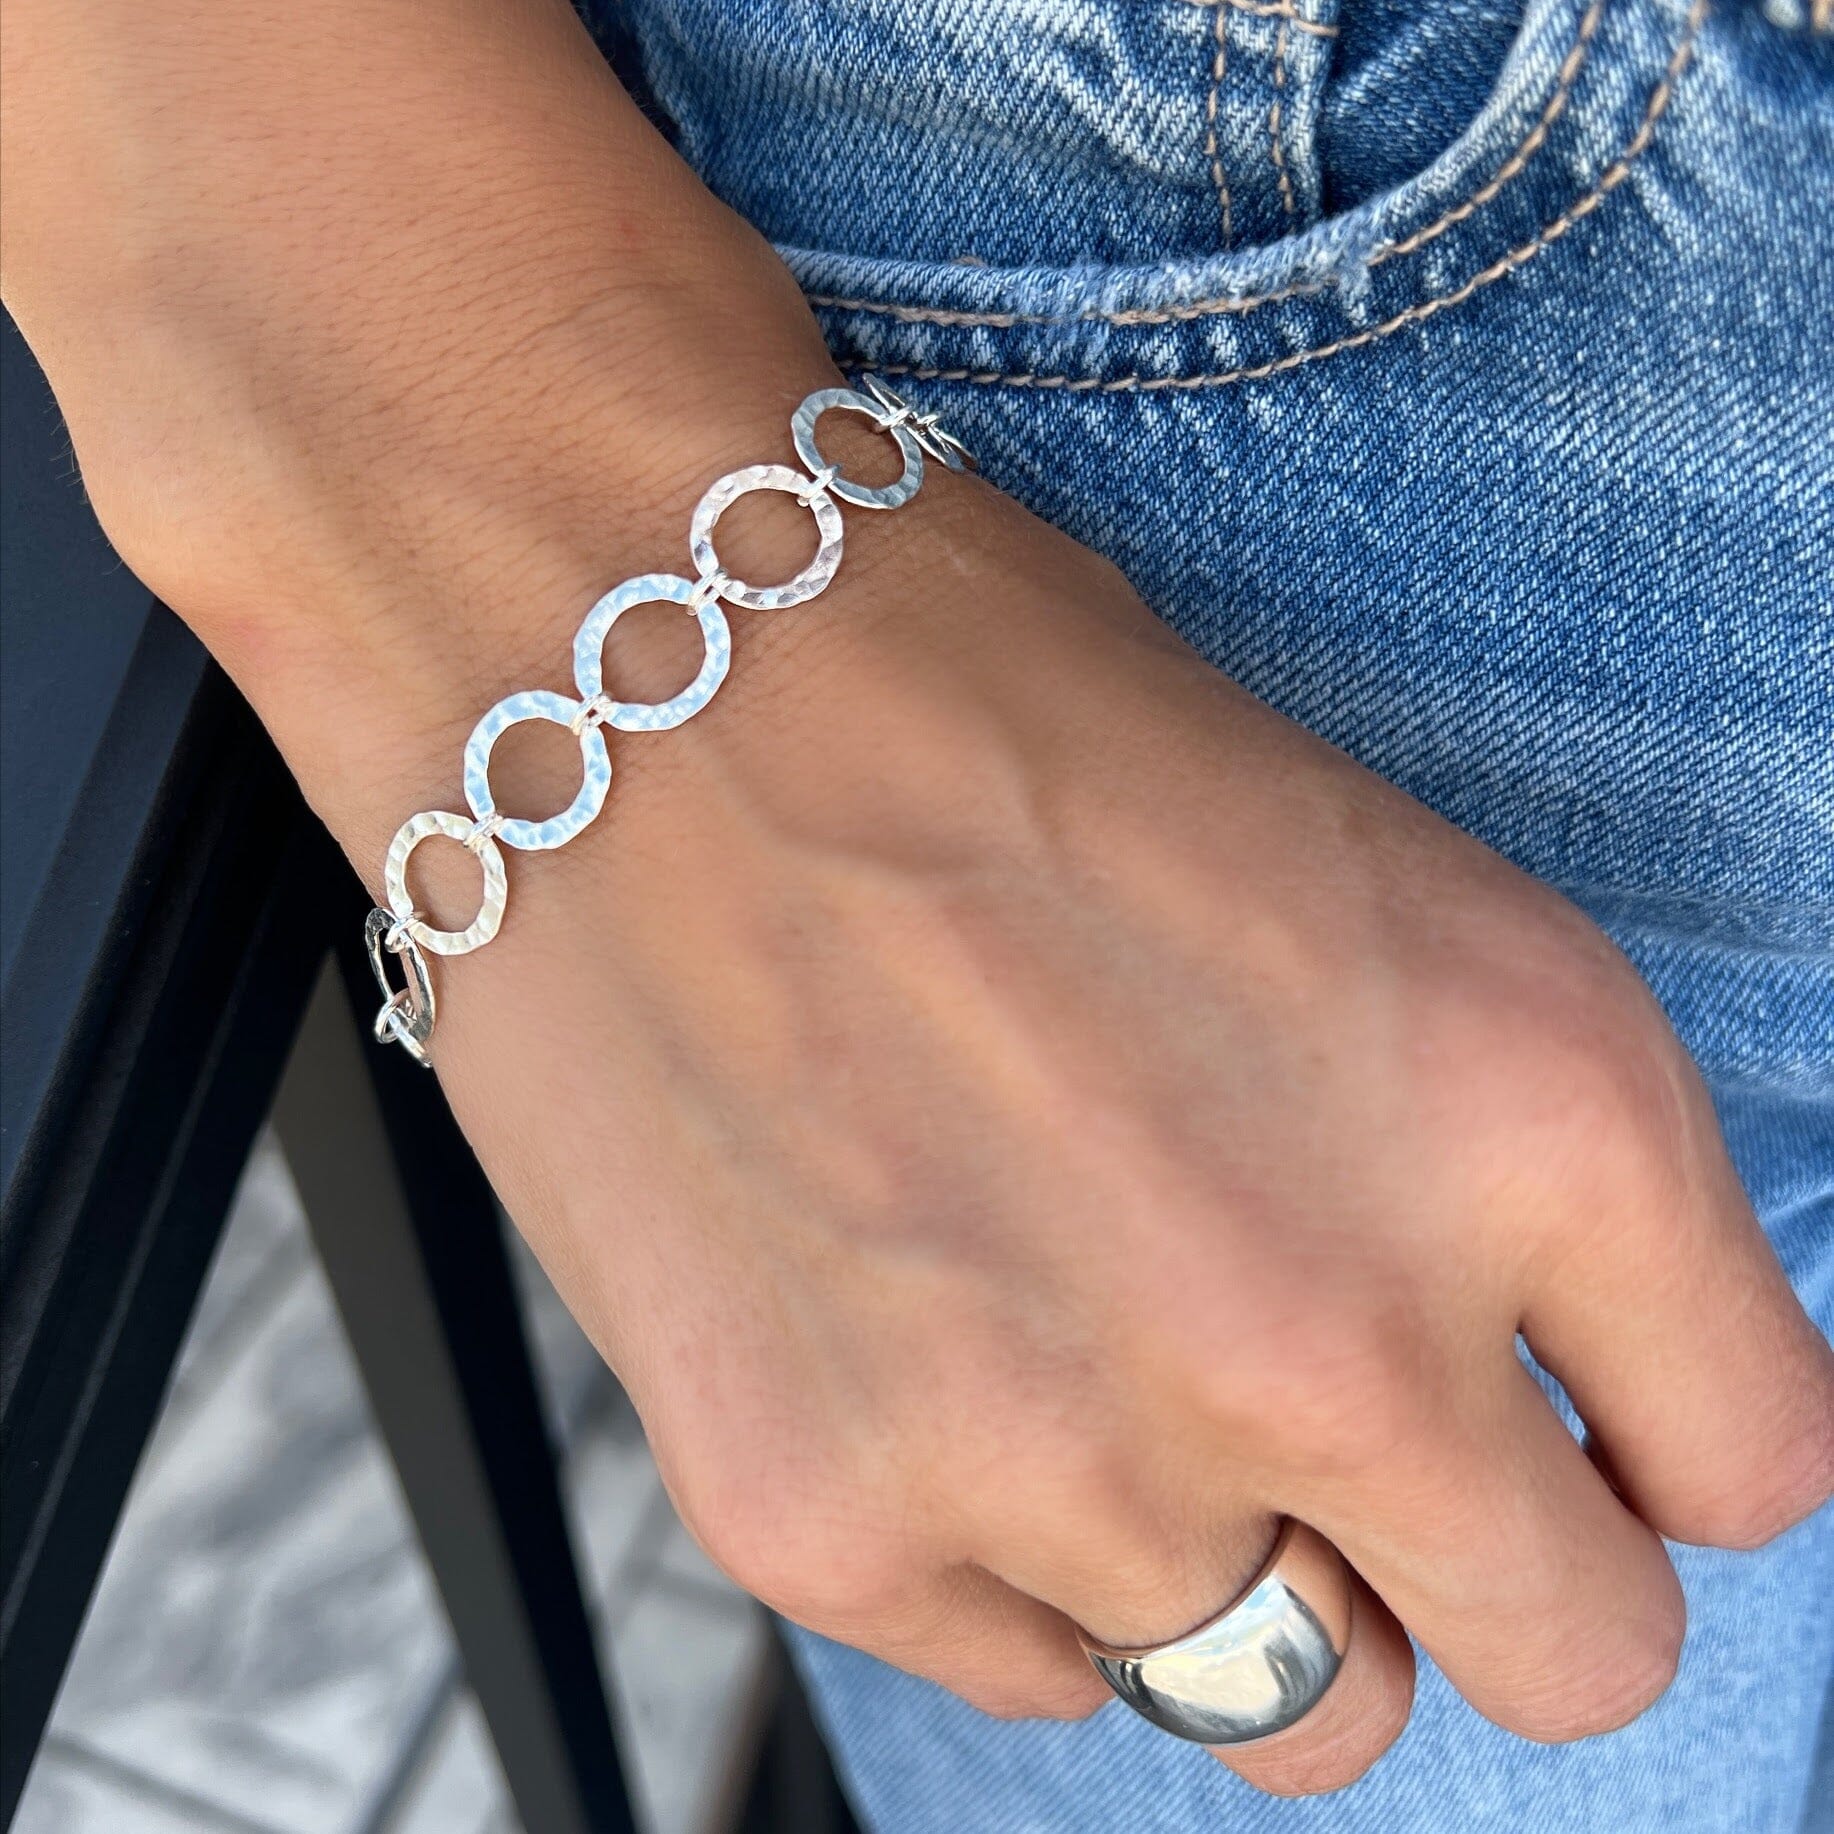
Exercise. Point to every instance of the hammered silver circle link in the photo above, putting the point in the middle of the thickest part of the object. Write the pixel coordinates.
(724, 493)
(652, 589)
(407, 1013)
(595, 769)
(865, 496)
(482, 927)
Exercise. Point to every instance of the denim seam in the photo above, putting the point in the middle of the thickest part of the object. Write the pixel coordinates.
(1278, 9)
(1510, 169)
(1287, 202)
(1609, 180)
(1219, 68)
(1537, 136)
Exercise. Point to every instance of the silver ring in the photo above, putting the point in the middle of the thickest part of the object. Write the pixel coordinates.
(1254, 1669)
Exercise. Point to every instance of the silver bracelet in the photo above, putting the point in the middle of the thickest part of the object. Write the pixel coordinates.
(408, 1012)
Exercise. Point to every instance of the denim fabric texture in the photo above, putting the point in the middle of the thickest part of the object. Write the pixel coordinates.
(1460, 379)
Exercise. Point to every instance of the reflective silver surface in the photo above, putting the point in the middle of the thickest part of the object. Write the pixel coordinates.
(1259, 1666)
(724, 492)
(470, 834)
(406, 1014)
(930, 435)
(865, 496)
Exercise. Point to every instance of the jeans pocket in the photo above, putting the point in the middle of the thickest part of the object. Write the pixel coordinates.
(1580, 99)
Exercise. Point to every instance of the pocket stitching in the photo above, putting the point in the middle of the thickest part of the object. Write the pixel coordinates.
(1510, 169)
(1287, 200)
(1608, 181)
(1531, 145)
(1279, 9)
(1219, 68)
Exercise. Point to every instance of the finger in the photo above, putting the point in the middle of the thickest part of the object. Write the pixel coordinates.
(1674, 1330)
(1363, 1712)
(999, 1650)
(1150, 1589)
(1549, 1606)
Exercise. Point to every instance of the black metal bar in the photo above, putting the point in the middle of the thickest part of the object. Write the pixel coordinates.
(794, 1789)
(411, 1239)
(147, 1035)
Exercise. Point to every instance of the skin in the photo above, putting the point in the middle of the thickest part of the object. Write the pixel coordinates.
(1016, 1131)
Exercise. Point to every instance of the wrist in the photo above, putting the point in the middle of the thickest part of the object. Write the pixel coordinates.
(405, 554)
(398, 377)
(372, 657)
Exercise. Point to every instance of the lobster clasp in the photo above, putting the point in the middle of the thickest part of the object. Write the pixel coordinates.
(407, 1014)
(926, 429)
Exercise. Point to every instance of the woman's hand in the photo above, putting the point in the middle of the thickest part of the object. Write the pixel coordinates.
(1019, 1115)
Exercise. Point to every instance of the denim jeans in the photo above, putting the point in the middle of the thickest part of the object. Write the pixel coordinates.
(1458, 377)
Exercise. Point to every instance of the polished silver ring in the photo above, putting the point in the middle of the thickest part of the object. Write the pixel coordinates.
(1254, 1669)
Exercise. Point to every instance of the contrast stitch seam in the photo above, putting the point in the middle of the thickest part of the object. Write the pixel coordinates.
(1141, 315)
(1537, 136)
(1231, 304)
(1279, 9)
(1609, 180)
(1273, 123)
(1219, 68)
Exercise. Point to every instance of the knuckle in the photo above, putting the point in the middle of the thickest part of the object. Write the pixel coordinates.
(824, 1586)
(1792, 1484)
(730, 1531)
(1564, 1071)
(749, 1561)
(1615, 1109)
(820, 1566)
(1621, 1683)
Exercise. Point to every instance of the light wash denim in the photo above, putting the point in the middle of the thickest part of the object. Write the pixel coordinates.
(1460, 379)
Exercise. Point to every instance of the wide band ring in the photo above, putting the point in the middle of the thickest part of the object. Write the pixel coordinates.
(1255, 1668)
